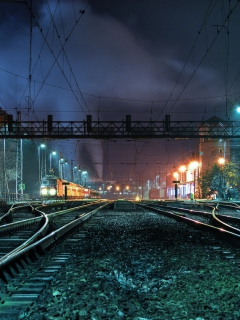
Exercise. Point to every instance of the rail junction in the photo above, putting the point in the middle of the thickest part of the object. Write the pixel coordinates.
(106, 236)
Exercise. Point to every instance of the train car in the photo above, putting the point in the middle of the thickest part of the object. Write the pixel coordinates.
(91, 194)
(94, 194)
(54, 188)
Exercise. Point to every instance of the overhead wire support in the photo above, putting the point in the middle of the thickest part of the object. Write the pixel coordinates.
(127, 129)
(19, 160)
(30, 63)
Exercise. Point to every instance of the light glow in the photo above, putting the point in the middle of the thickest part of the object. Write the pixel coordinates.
(44, 191)
(193, 165)
(182, 168)
(52, 192)
(221, 160)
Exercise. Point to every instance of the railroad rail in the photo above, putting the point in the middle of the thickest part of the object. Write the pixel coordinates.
(38, 239)
(101, 253)
(208, 221)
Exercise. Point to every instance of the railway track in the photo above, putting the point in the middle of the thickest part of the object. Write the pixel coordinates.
(20, 227)
(125, 256)
(29, 223)
(203, 215)
(20, 262)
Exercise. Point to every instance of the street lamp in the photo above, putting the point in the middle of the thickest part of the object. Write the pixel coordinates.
(65, 175)
(194, 165)
(176, 181)
(74, 174)
(85, 177)
(108, 191)
(53, 153)
(61, 162)
(79, 176)
(118, 190)
(176, 175)
(182, 189)
(221, 161)
(182, 169)
(42, 161)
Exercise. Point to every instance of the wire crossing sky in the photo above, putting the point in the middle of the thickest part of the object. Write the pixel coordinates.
(113, 58)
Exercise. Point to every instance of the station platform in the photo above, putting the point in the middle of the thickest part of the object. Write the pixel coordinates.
(124, 205)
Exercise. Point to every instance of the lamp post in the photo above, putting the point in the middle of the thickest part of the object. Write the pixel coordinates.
(127, 188)
(118, 190)
(65, 175)
(176, 182)
(42, 161)
(85, 177)
(53, 153)
(74, 174)
(73, 171)
(182, 169)
(221, 162)
(79, 176)
(61, 162)
(108, 191)
(194, 165)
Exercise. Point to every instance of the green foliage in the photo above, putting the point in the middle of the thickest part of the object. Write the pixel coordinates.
(219, 179)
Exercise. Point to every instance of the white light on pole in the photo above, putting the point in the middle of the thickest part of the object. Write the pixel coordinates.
(61, 162)
(85, 177)
(42, 161)
(194, 166)
(53, 153)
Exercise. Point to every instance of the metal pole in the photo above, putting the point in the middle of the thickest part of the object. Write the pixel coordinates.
(176, 191)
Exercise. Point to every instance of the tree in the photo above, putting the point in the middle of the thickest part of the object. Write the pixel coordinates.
(220, 179)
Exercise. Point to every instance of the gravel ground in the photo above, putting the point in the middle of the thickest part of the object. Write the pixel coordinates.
(139, 267)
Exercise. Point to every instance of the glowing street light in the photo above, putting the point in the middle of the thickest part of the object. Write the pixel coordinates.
(221, 161)
(175, 174)
(84, 173)
(42, 161)
(53, 153)
(194, 165)
(182, 169)
(61, 162)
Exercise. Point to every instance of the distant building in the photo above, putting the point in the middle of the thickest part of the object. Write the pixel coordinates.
(210, 150)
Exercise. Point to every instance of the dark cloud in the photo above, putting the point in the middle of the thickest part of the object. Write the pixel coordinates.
(144, 58)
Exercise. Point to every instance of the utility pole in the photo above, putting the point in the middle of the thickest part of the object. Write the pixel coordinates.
(19, 163)
(19, 157)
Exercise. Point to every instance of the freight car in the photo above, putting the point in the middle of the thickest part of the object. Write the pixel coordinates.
(55, 188)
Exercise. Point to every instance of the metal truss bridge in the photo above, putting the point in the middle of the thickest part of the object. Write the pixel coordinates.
(125, 129)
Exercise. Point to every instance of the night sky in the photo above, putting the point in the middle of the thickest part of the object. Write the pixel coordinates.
(110, 58)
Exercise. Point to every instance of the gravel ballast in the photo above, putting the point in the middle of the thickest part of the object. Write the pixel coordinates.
(140, 266)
